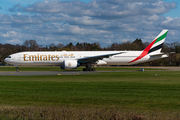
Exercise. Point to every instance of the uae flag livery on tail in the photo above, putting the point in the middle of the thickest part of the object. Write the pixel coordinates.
(154, 47)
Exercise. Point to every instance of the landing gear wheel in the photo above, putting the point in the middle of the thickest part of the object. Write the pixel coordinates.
(89, 69)
(17, 70)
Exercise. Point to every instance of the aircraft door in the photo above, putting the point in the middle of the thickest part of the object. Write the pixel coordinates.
(19, 56)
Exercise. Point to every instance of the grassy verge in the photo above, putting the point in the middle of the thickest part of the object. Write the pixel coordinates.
(149, 94)
(85, 113)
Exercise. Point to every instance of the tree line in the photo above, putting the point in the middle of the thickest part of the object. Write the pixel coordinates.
(31, 45)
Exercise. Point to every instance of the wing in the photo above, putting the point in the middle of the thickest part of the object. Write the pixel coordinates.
(93, 59)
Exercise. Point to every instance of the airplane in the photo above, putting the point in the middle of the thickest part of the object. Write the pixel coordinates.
(74, 59)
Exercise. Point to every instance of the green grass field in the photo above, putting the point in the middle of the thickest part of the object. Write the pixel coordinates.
(134, 92)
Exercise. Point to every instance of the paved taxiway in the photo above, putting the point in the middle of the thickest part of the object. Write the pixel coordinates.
(36, 73)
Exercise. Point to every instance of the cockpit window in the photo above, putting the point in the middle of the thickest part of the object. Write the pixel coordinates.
(9, 57)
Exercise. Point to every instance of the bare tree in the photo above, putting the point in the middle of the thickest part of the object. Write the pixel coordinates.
(60, 45)
(31, 45)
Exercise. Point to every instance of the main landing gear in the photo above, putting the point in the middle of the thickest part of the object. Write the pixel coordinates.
(88, 68)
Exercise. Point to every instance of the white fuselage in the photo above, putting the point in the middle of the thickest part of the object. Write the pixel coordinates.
(74, 59)
(58, 57)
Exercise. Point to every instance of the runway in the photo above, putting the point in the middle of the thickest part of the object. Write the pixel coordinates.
(37, 73)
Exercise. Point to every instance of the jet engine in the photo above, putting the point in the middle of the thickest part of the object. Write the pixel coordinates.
(69, 64)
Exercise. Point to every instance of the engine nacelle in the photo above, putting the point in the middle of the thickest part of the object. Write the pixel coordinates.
(70, 64)
(101, 62)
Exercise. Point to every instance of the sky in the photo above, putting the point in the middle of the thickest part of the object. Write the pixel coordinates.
(102, 21)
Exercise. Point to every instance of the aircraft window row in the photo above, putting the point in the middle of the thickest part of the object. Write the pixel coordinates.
(49, 57)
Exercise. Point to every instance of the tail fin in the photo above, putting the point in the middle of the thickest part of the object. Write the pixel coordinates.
(154, 47)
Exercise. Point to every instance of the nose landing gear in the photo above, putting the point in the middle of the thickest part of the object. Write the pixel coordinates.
(17, 69)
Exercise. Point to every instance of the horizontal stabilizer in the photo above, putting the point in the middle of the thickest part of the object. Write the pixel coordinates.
(162, 54)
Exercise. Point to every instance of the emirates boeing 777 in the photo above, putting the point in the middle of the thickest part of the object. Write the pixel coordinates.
(74, 59)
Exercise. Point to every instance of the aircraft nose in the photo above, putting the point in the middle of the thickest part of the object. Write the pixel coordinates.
(5, 60)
